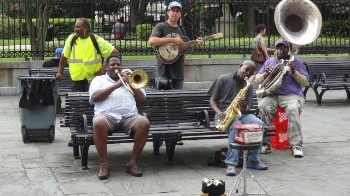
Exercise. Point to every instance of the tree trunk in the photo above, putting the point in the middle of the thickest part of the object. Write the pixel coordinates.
(137, 12)
(249, 20)
(37, 32)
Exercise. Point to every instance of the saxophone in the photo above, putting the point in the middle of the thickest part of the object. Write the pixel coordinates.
(233, 109)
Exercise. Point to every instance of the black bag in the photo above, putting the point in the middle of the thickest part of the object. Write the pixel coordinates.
(220, 156)
(258, 56)
(52, 63)
(164, 84)
(36, 93)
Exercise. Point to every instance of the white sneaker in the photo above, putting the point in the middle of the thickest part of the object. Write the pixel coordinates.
(298, 152)
(265, 149)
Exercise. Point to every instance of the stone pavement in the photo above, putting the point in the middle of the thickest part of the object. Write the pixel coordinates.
(42, 168)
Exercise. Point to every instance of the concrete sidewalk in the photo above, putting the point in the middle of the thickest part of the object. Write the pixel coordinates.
(43, 168)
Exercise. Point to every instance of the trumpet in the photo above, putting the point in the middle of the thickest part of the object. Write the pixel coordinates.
(137, 79)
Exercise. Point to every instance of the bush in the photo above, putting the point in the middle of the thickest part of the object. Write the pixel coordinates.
(335, 28)
(59, 25)
(143, 31)
(10, 28)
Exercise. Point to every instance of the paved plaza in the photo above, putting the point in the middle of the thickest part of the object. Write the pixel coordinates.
(42, 168)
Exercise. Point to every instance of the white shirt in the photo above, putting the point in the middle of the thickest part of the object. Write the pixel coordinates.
(119, 103)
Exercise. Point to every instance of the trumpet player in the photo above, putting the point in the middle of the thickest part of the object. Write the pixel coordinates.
(223, 92)
(289, 95)
(115, 109)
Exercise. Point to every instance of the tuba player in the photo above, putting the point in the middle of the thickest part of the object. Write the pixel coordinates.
(288, 96)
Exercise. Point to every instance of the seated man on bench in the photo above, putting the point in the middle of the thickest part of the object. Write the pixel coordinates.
(115, 109)
(223, 92)
(288, 96)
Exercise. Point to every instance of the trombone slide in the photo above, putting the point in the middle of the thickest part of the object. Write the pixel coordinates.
(125, 84)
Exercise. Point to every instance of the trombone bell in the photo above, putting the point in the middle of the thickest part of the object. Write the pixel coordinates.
(138, 79)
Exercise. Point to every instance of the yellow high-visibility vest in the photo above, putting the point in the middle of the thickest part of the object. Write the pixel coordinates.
(84, 62)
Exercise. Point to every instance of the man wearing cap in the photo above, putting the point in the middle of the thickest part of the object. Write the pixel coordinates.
(170, 32)
(54, 62)
(288, 96)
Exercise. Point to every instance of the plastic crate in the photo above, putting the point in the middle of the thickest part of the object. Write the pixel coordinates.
(280, 140)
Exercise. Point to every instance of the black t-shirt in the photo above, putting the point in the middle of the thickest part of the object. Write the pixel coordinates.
(175, 70)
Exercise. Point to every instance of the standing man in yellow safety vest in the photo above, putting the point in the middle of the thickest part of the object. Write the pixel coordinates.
(84, 52)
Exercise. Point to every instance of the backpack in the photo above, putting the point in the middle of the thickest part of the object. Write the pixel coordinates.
(220, 156)
(94, 41)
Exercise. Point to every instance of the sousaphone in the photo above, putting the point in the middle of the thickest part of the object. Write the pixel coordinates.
(299, 22)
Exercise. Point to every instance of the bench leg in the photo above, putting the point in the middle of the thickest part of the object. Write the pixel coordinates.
(170, 150)
(319, 99)
(75, 148)
(316, 93)
(84, 156)
(156, 147)
(347, 93)
(305, 91)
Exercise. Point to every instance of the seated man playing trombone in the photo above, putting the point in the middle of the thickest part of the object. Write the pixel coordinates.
(115, 109)
(289, 95)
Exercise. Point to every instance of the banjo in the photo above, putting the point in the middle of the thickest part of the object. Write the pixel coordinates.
(169, 53)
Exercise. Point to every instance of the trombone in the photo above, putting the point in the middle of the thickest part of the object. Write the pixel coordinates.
(137, 79)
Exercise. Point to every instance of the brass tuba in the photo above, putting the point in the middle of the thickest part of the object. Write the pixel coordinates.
(299, 22)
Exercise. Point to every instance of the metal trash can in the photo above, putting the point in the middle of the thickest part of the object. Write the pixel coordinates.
(37, 97)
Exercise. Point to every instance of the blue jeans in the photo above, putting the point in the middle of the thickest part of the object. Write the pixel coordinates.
(232, 154)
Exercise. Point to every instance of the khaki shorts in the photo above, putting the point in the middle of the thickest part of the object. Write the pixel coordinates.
(124, 125)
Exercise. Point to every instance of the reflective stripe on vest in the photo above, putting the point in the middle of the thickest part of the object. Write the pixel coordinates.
(80, 69)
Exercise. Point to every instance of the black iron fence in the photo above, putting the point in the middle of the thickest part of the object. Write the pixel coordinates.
(36, 28)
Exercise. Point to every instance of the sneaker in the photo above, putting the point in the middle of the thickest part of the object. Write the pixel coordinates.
(298, 152)
(104, 172)
(231, 170)
(258, 165)
(265, 149)
(133, 168)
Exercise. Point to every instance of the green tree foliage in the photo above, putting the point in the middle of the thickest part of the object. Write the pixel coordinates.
(143, 31)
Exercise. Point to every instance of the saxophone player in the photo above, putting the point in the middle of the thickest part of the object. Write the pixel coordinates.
(223, 92)
(289, 95)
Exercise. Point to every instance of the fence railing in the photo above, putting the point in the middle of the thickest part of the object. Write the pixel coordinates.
(35, 29)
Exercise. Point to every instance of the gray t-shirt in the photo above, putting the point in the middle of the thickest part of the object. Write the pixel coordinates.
(118, 28)
(225, 89)
(175, 70)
